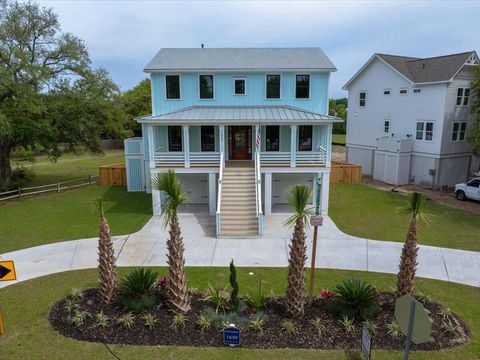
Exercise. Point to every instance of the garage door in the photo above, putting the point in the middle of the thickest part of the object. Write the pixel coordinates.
(196, 186)
(281, 182)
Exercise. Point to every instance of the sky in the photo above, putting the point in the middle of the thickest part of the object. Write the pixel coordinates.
(122, 36)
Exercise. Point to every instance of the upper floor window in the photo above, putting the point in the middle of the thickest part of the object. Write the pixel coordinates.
(172, 87)
(386, 126)
(174, 138)
(463, 95)
(273, 87)
(403, 91)
(207, 138)
(424, 130)
(205, 83)
(386, 92)
(417, 91)
(459, 131)
(272, 138)
(302, 86)
(305, 137)
(239, 87)
(363, 98)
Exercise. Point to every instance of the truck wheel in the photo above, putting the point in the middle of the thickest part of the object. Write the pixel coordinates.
(461, 195)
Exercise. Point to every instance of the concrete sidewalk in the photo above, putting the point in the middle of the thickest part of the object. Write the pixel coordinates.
(335, 250)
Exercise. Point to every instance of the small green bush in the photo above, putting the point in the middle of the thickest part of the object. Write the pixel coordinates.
(355, 292)
(127, 320)
(136, 290)
(219, 297)
(258, 299)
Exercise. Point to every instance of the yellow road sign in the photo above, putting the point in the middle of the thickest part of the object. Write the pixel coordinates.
(7, 271)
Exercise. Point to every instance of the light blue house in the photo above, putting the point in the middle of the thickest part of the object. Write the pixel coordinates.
(239, 126)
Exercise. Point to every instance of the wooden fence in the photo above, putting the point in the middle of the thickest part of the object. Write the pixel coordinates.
(57, 187)
(345, 173)
(113, 174)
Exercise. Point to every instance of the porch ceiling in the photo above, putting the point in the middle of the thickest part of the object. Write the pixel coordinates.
(240, 115)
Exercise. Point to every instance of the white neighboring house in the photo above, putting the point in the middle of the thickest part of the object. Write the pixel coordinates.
(408, 117)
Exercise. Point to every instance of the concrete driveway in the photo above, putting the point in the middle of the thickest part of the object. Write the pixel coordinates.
(335, 250)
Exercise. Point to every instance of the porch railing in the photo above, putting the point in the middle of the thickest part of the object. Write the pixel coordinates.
(177, 159)
(302, 158)
(218, 219)
(258, 192)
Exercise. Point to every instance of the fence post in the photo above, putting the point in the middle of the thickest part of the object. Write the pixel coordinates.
(89, 179)
(19, 192)
(58, 186)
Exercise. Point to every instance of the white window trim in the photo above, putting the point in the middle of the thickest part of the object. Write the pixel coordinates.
(463, 96)
(273, 99)
(385, 126)
(459, 131)
(179, 83)
(400, 91)
(424, 131)
(389, 92)
(198, 87)
(360, 92)
(295, 86)
(244, 81)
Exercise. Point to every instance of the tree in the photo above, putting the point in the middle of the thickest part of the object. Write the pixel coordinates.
(234, 300)
(474, 130)
(408, 259)
(338, 108)
(298, 197)
(106, 260)
(136, 102)
(177, 290)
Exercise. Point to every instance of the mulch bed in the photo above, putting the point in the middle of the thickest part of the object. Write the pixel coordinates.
(333, 337)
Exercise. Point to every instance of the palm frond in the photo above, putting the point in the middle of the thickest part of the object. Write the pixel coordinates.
(99, 205)
(415, 206)
(168, 183)
(298, 197)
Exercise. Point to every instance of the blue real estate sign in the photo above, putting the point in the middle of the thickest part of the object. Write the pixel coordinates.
(231, 336)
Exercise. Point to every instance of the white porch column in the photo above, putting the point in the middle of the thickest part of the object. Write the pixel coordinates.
(212, 193)
(186, 145)
(293, 145)
(257, 129)
(329, 144)
(268, 193)
(316, 179)
(156, 202)
(325, 181)
(151, 145)
(221, 131)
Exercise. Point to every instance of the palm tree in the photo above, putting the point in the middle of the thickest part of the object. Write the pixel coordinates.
(177, 291)
(106, 259)
(298, 197)
(408, 259)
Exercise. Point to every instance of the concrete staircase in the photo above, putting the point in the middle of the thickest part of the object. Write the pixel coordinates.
(238, 211)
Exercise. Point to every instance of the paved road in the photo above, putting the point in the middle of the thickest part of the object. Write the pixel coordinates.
(335, 250)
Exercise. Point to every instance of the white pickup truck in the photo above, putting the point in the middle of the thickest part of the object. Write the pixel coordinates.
(469, 190)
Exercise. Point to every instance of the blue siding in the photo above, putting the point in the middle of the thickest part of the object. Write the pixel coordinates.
(255, 92)
(135, 174)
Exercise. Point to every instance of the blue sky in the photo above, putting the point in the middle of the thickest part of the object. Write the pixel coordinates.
(122, 36)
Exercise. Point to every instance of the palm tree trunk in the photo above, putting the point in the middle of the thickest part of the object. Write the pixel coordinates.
(408, 262)
(178, 296)
(107, 263)
(295, 297)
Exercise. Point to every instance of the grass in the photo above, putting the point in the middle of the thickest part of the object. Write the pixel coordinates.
(69, 166)
(69, 215)
(366, 212)
(29, 335)
(339, 139)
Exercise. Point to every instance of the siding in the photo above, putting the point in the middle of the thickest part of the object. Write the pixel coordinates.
(364, 157)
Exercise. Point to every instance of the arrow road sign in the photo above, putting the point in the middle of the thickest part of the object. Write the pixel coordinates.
(7, 271)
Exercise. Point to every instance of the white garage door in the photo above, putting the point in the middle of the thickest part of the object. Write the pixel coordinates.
(281, 182)
(196, 186)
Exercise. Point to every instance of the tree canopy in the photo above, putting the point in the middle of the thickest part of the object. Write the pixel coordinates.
(136, 102)
(338, 108)
(474, 131)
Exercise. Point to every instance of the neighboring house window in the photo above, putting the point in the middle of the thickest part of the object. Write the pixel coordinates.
(239, 86)
(403, 91)
(302, 86)
(386, 92)
(174, 138)
(273, 87)
(208, 138)
(424, 131)
(363, 98)
(459, 131)
(305, 133)
(386, 126)
(417, 91)
(172, 87)
(272, 138)
(206, 86)
(463, 95)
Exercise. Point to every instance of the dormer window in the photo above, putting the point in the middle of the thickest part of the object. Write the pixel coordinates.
(363, 98)
(172, 87)
(302, 87)
(205, 84)
(463, 95)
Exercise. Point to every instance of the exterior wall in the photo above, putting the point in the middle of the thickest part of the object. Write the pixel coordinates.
(281, 182)
(420, 170)
(363, 156)
(452, 171)
(255, 91)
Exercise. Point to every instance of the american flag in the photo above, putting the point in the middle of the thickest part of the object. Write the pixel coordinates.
(258, 138)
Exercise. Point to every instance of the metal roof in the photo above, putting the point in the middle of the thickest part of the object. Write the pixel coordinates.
(239, 114)
(253, 59)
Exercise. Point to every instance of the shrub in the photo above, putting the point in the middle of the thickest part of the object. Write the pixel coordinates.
(162, 285)
(317, 324)
(257, 321)
(204, 322)
(355, 292)
(257, 300)
(423, 298)
(127, 320)
(326, 295)
(179, 320)
(449, 327)
(149, 320)
(101, 320)
(218, 297)
(393, 329)
(20, 177)
(70, 306)
(348, 324)
(76, 293)
(445, 312)
(136, 290)
(79, 317)
(370, 326)
(288, 327)
(234, 300)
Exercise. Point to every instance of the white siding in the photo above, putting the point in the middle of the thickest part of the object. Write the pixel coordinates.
(362, 156)
(420, 170)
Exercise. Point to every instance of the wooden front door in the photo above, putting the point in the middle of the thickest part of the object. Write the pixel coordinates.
(240, 140)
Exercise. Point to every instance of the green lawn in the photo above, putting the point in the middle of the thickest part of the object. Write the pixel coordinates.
(69, 166)
(339, 139)
(29, 335)
(69, 215)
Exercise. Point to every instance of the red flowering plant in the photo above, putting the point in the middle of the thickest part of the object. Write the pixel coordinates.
(326, 295)
(161, 286)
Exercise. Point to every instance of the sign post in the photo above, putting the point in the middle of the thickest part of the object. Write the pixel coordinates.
(315, 221)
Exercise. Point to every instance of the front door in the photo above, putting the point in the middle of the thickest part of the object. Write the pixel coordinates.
(240, 140)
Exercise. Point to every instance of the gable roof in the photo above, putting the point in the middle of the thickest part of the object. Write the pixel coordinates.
(423, 70)
(191, 59)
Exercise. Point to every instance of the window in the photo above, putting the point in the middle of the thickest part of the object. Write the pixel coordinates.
(302, 87)
(207, 138)
(272, 138)
(273, 87)
(386, 92)
(386, 126)
(174, 138)
(206, 86)
(459, 131)
(403, 91)
(239, 86)
(172, 87)
(463, 95)
(305, 137)
(474, 183)
(417, 91)
(424, 131)
(363, 98)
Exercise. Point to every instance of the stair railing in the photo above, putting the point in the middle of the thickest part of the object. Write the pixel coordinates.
(258, 193)
(219, 194)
